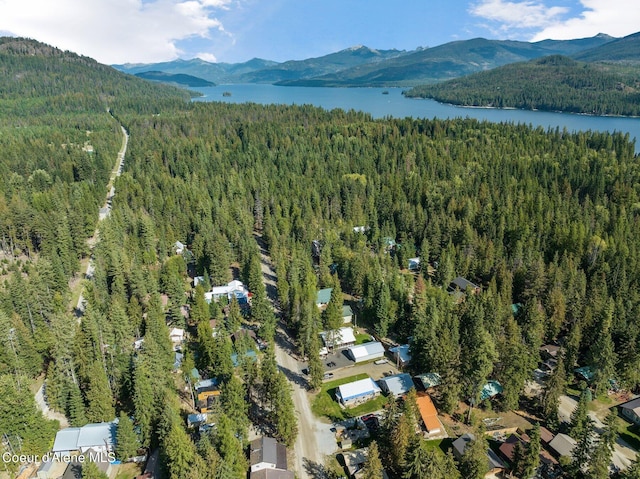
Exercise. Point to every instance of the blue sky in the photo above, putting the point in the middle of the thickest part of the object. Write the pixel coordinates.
(136, 31)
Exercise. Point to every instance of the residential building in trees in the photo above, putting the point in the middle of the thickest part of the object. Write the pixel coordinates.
(229, 290)
(357, 392)
(268, 459)
(631, 410)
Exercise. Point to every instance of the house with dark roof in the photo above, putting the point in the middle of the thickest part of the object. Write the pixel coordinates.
(268, 459)
(461, 284)
(508, 448)
(401, 354)
(631, 410)
(460, 445)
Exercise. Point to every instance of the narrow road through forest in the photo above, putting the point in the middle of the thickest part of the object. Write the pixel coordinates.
(102, 214)
(315, 439)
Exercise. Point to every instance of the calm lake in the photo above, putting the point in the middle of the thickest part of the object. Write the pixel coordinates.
(371, 100)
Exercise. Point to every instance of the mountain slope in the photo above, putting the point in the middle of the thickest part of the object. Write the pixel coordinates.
(327, 64)
(553, 83)
(181, 79)
(451, 60)
(625, 49)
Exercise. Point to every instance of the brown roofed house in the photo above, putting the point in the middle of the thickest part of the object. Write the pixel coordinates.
(429, 414)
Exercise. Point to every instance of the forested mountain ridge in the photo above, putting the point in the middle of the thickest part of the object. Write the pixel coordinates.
(451, 60)
(363, 66)
(625, 49)
(553, 83)
(264, 71)
(179, 79)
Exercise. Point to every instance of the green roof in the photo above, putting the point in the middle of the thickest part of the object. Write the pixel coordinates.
(347, 311)
(515, 308)
(324, 295)
(490, 389)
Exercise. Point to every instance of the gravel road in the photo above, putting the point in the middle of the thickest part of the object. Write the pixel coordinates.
(315, 440)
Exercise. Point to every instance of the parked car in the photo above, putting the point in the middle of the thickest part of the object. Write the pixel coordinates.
(328, 375)
(381, 361)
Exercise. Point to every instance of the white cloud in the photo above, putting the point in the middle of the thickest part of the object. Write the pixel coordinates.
(113, 31)
(617, 18)
(517, 15)
(207, 57)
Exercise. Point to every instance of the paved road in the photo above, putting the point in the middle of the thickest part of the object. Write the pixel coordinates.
(315, 440)
(622, 455)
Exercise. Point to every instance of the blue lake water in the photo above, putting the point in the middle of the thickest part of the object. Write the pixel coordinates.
(371, 100)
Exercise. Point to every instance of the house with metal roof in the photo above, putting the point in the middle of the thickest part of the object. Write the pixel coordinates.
(268, 459)
(631, 410)
(340, 339)
(396, 385)
(357, 392)
(230, 290)
(323, 297)
(347, 314)
(491, 389)
(366, 351)
(100, 437)
(401, 354)
(429, 414)
(427, 380)
(563, 445)
(414, 264)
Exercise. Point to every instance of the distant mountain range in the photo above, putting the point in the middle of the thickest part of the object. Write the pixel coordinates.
(363, 66)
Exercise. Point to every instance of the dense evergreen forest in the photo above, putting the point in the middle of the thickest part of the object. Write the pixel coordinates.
(553, 83)
(548, 220)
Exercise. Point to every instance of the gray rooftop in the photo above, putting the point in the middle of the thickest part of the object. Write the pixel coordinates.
(398, 384)
(91, 435)
(272, 474)
(633, 405)
(267, 449)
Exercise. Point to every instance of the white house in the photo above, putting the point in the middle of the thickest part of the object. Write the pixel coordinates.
(347, 314)
(179, 247)
(177, 337)
(234, 288)
(342, 338)
(357, 392)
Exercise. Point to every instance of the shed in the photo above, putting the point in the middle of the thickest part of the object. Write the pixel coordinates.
(250, 355)
(366, 351)
(401, 354)
(429, 414)
(398, 384)
(347, 314)
(196, 419)
(342, 338)
(44, 471)
(585, 372)
(428, 380)
(178, 247)
(357, 391)
(414, 264)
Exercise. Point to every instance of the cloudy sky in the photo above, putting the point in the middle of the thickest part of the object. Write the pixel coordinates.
(135, 31)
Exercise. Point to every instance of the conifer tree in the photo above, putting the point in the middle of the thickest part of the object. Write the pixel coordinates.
(285, 421)
(126, 439)
(373, 465)
(98, 395)
(90, 471)
(474, 464)
(75, 406)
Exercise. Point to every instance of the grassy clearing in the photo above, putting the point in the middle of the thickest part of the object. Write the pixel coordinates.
(362, 338)
(630, 433)
(325, 404)
(128, 470)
